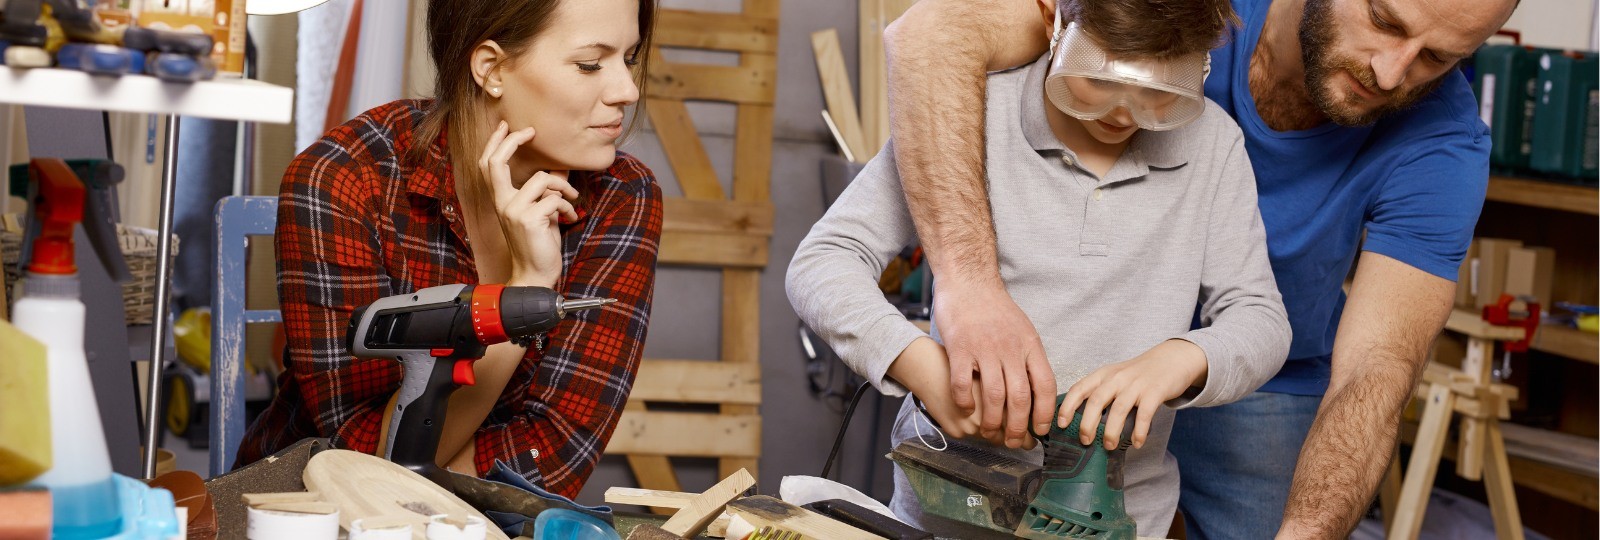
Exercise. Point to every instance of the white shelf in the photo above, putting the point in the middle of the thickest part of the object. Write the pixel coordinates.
(221, 99)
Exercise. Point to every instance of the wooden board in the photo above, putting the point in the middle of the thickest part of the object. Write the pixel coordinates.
(836, 90)
(705, 507)
(1471, 323)
(733, 249)
(1424, 464)
(1568, 342)
(687, 434)
(366, 486)
(716, 31)
(763, 511)
(698, 381)
(649, 497)
(1543, 194)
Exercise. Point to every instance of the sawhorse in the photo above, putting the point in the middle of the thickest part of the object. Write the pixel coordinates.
(1481, 452)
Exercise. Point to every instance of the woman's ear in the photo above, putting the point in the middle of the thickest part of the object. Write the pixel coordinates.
(487, 58)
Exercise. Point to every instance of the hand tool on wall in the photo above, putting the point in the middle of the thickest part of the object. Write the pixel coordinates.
(1076, 494)
(436, 333)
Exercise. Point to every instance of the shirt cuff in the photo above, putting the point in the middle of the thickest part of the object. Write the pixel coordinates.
(1220, 376)
(882, 342)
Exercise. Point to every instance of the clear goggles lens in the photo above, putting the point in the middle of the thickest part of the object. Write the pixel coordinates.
(1088, 84)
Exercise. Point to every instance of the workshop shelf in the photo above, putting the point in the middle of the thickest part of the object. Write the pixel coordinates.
(1543, 194)
(1542, 460)
(221, 99)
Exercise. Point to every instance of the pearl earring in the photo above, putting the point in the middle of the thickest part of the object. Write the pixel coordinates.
(494, 91)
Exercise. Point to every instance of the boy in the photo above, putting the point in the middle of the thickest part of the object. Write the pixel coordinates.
(1121, 201)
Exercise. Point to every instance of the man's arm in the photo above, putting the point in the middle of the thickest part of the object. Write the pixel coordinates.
(1390, 320)
(938, 54)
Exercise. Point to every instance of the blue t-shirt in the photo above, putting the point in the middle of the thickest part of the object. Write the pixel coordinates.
(1414, 181)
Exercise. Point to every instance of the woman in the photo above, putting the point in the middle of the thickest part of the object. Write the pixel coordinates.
(511, 175)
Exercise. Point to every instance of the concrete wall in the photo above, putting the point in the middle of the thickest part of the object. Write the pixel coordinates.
(798, 429)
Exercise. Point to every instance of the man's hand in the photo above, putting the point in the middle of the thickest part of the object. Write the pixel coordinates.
(1144, 382)
(923, 368)
(985, 332)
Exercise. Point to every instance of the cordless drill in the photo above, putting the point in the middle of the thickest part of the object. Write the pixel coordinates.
(436, 333)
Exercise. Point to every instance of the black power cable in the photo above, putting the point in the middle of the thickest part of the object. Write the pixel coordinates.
(838, 439)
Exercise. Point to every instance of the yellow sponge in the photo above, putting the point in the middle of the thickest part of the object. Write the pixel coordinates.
(24, 407)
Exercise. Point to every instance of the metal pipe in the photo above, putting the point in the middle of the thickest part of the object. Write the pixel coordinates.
(158, 340)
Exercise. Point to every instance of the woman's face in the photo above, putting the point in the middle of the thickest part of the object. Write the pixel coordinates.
(573, 83)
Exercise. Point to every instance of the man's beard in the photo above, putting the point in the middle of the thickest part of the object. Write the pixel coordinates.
(1317, 29)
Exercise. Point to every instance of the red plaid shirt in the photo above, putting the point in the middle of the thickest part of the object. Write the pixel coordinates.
(359, 220)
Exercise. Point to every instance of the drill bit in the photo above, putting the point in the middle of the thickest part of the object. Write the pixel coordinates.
(570, 305)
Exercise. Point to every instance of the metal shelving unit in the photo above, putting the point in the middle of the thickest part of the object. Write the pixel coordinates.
(221, 99)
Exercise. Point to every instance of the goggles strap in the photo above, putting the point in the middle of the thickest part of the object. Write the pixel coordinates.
(1055, 36)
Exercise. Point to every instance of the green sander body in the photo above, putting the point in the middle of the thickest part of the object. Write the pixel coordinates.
(1076, 494)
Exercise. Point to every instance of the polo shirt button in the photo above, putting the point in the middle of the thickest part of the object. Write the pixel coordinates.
(1097, 194)
(1067, 159)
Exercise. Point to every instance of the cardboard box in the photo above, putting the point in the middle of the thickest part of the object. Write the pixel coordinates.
(1491, 274)
(1530, 271)
(1464, 277)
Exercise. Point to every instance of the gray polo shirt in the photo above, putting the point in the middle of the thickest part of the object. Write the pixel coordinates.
(1105, 268)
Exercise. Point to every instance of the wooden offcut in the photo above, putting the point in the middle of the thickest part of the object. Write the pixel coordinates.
(836, 90)
(710, 227)
(649, 497)
(693, 518)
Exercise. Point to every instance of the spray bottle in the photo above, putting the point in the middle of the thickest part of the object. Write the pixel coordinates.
(83, 492)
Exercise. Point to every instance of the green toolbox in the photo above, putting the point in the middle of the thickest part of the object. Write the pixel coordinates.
(1505, 88)
(1566, 109)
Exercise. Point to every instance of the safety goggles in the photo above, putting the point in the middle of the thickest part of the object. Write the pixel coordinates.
(1088, 84)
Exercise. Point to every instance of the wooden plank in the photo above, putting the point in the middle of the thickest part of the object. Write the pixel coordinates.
(716, 31)
(697, 381)
(1556, 481)
(752, 158)
(1472, 324)
(687, 434)
(1469, 455)
(1569, 342)
(672, 80)
(762, 511)
(1576, 452)
(1542, 194)
(1424, 464)
(1497, 482)
(836, 90)
(648, 497)
(872, 72)
(692, 519)
(694, 215)
(741, 341)
(685, 154)
(713, 249)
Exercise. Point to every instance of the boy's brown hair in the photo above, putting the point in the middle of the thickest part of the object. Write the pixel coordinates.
(1152, 28)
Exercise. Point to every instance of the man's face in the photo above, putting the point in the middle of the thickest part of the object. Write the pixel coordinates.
(1367, 58)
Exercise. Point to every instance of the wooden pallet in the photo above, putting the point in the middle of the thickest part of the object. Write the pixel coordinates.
(709, 228)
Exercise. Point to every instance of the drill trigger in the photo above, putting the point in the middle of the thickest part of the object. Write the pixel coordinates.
(463, 374)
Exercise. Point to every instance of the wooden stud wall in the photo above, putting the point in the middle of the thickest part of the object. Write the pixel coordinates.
(708, 227)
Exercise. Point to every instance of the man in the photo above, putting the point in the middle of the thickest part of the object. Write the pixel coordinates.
(1363, 136)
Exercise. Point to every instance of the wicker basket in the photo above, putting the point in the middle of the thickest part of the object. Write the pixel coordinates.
(138, 249)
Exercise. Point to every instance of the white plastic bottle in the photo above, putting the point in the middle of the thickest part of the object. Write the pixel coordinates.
(81, 488)
(82, 491)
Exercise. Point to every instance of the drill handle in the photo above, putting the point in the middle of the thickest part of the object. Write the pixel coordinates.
(419, 414)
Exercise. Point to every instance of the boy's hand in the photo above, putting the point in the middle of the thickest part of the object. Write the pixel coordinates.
(923, 367)
(1144, 382)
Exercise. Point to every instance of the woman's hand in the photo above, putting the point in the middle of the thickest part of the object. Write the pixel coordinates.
(1144, 382)
(529, 215)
